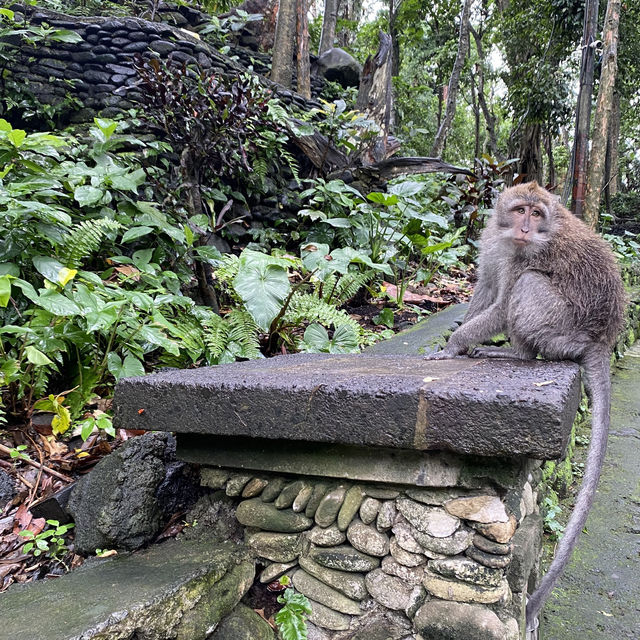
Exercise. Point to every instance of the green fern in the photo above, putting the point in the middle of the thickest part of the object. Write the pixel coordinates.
(340, 292)
(227, 270)
(84, 240)
(305, 307)
(232, 337)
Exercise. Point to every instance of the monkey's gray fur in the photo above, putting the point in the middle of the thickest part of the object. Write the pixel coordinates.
(553, 286)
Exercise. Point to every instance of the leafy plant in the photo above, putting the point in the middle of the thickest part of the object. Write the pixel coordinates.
(18, 453)
(551, 511)
(50, 542)
(290, 620)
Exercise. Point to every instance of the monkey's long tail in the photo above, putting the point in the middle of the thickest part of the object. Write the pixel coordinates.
(598, 382)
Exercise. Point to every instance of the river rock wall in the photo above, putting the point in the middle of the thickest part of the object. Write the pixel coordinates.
(410, 561)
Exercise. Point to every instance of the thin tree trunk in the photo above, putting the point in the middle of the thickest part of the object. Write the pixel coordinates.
(476, 117)
(576, 177)
(329, 21)
(304, 73)
(489, 118)
(552, 165)
(611, 174)
(283, 46)
(602, 118)
(395, 42)
(454, 82)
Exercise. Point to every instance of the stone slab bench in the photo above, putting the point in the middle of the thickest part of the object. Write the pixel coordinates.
(469, 406)
(178, 589)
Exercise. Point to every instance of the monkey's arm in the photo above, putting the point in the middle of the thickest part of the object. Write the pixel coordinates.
(475, 330)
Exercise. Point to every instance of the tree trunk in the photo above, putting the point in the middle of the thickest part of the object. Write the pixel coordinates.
(452, 93)
(350, 10)
(283, 46)
(611, 171)
(552, 166)
(530, 152)
(395, 43)
(602, 118)
(329, 21)
(489, 118)
(304, 73)
(375, 99)
(476, 119)
(576, 177)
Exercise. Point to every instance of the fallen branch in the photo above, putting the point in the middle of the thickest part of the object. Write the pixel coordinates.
(39, 465)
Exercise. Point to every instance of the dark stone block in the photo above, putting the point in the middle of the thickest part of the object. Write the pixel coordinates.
(7, 488)
(125, 71)
(83, 56)
(135, 47)
(53, 63)
(92, 38)
(115, 505)
(527, 543)
(137, 36)
(182, 57)
(113, 25)
(105, 58)
(120, 42)
(97, 77)
(486, 407)
(163, 47)
(54, 507)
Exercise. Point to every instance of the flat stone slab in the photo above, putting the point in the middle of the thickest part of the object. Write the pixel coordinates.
(425, 337)
(177, 589)
(470, 406)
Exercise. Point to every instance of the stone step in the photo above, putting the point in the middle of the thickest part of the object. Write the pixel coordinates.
(177, 589)
(490, 407)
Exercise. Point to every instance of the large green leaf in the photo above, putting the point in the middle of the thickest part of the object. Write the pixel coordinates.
(344, 340)
(58, 304)
(128, 368)
(87, 195)
(263, 284)
(36, 357)
(5, 290)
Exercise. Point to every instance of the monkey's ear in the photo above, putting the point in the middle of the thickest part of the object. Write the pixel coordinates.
(533, 185)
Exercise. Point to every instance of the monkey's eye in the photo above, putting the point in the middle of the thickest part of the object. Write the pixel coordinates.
(520, 210)
(535, 213)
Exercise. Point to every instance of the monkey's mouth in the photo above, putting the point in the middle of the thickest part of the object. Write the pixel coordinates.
(521, 241)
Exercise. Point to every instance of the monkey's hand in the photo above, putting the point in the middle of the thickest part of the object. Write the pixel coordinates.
(442, 355)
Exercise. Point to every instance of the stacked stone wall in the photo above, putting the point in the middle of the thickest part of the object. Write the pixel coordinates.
(412, 561)
(97, 75)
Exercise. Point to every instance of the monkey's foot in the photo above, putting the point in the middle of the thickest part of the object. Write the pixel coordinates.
(494, 352)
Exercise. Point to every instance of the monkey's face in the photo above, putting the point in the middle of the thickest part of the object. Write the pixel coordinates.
(524, 217)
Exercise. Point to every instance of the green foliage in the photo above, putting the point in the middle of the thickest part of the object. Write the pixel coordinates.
(290, 620)
(50, 542)
(552, 510)
(403, 234)
(18, 453)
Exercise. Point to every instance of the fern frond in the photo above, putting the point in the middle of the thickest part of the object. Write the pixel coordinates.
(305, 307)
(292, 163)
(232, 337)
(227, 270)
(84, 240)
(347, 287)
